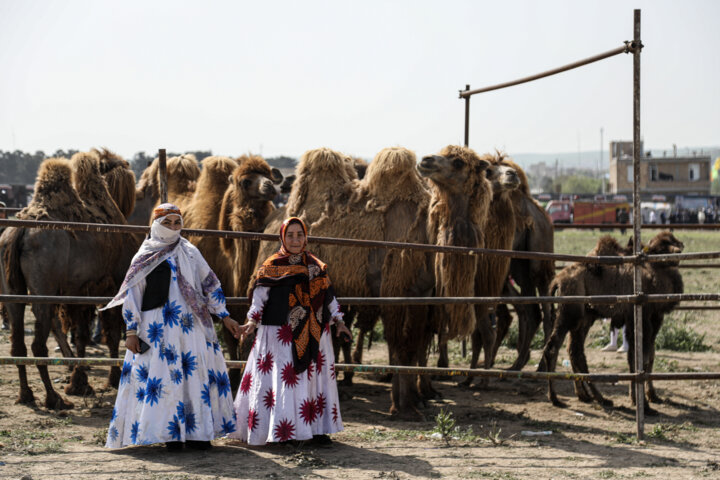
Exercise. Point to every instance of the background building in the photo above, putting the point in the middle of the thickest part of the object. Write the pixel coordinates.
(665, 175)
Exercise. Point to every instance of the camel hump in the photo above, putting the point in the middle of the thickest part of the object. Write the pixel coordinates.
(393, 176)
(119, 179)
(220, 164)
(85, 168)
(54, 196)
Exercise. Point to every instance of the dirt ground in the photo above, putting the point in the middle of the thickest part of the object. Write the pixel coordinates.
(584, 440)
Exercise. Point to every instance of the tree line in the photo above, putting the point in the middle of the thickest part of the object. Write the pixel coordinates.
(18, 167)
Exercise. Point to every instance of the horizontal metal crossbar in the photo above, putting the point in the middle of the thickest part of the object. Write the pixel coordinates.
(629, 47)
(403, 370)
(138, 229)
(598, 300)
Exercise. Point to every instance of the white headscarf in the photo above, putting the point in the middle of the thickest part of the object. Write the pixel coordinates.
(193, 273)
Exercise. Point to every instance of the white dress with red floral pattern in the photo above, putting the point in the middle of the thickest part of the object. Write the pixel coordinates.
(275, 404)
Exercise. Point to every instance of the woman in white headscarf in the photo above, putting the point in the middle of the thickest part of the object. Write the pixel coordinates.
(174, 386)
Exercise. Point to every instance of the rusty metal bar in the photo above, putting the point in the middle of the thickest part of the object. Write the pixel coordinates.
(637, 220)
(163, 186)
(406, 370)
(627, 48)
(598, 300)
(685, 265)
(644, 226)
(467, 117)
(351, 242)
(10, 209)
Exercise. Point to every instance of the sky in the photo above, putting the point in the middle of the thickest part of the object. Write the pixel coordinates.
(283, 77)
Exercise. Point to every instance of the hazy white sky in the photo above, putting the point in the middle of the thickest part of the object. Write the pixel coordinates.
(282, 77)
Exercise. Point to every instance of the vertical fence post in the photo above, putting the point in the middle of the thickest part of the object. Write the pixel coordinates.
(637, 245)
(467, 117)
(162, 158)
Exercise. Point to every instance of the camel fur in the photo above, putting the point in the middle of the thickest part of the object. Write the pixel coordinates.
(579, 280)
(59, 262)
(534, 233)
(492, 270)
(459, 206)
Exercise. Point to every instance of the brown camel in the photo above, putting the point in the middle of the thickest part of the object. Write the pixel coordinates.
(458, 213)
(492, 270)
(580, 280)
(57, 262)
(534, 233)
(245, 206)
(182, 172)
(390, 204)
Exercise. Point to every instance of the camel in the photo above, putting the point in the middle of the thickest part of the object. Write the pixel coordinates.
(244, 207)
(492, 270)
(60, 262)
(182, 172)
(580, 280)
(458, 213)
(534, 233)
(390, 203)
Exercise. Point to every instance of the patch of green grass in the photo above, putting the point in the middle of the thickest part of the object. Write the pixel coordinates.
(606, 474)
(495, 475)
(377, 434)
(670, 431)
(511, 339)
(29, 442)
(678, 336)
(624, 438)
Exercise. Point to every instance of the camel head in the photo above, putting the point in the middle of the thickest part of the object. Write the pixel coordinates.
(663, 243)
(455, 169)
(255, 180)
(287, 183)
(502, 177)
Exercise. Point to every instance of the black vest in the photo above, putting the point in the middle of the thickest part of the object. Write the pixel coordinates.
(157, 287)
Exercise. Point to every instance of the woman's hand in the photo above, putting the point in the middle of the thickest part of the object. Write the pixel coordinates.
(132, 343)
(341, 328)
(233, 326)
(247, 330)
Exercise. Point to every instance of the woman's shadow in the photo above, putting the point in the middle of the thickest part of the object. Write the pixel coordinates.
(279, 461)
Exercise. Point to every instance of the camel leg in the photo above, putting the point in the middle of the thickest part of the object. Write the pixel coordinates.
(579, 360)
(504, 320)
(425, 387)
(43, 320)
(548, 362)
(16, 313)
(443, 359)
(476, 345)
(631, 360)
(528, 323)
(111, 322)
(651, 393)
(83, 319)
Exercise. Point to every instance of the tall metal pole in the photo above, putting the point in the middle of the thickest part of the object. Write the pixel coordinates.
(637, 245)
(467, 117)
(162, 159)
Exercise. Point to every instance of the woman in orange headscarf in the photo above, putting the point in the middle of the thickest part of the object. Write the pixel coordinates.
(288, 390)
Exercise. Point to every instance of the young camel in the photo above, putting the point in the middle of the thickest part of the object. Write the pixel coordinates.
(584, 280)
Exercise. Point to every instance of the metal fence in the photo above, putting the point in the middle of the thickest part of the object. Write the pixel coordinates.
(638, 298)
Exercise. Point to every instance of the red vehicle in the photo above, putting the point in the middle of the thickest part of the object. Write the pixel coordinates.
(585, 211)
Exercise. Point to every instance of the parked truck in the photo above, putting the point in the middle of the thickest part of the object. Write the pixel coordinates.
(587, 211)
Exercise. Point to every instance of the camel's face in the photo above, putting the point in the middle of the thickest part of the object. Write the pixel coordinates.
(449, 172)
(258, 187)
(665, 242)
(502, 178)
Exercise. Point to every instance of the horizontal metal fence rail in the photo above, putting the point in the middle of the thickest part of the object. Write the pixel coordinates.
(598, 300)
(139, 229)
(644, 226)
(403, 370)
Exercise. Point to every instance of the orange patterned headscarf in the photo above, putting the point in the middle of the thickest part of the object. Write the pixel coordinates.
(165, 209)
(309, 283)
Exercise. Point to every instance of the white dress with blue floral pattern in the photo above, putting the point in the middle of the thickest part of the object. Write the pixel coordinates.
(179, 389)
